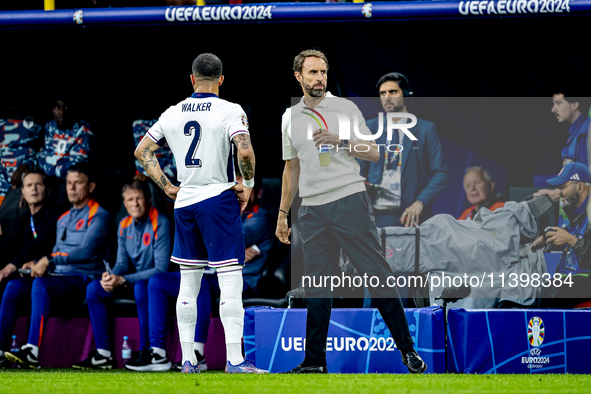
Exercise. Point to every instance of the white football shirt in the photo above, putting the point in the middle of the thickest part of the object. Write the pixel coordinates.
(199, 131)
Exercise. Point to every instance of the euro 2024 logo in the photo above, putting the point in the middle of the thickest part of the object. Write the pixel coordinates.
(535, 336)
(535, 331)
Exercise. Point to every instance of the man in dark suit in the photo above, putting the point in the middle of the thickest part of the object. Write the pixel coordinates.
(407, 180)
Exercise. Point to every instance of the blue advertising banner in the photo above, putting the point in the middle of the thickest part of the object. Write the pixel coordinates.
(295, 12)
(519, 341)
(358, 340)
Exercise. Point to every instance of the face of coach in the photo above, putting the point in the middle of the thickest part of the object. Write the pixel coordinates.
(78, 188)
(136, 204)
(314, 76)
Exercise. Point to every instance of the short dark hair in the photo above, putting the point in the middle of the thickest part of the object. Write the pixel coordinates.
(298, 62)
(33, 170)
(83, 168)
(136, 184)
(207, 66)
(400, 79)
(584, 102)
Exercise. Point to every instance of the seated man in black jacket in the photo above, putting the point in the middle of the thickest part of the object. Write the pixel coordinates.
(34, 236)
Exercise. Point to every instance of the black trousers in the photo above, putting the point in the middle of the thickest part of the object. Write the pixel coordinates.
(349, 224)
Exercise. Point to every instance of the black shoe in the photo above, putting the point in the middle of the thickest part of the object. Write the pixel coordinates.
(201, 363)
(149, 362)
(4, 363)
(414, 362)
(95, 361)
(308, 369)
(24, 357)
(138, 357)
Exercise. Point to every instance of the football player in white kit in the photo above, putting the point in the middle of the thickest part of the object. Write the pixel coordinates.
(199, 131)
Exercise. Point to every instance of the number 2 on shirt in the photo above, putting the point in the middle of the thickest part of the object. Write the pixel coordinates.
(192, 128)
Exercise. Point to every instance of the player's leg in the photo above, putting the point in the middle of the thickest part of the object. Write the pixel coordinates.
(356, 233)
(186, 310)
(219, 219)
(210, 288)
(232, 311)
(190, 253)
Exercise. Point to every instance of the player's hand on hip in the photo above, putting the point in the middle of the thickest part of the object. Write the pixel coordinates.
(283, 231)
(325, 137)
(410, 217)
(243, 194)
(171, 190)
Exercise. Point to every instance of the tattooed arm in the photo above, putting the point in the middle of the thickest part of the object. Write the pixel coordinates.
(246, 164)
(145, 155)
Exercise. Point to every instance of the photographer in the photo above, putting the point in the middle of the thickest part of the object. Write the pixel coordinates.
(573, 183)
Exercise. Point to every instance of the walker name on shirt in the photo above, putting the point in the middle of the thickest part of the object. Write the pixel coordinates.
(194, 107)
(218, 13)
(508, 7)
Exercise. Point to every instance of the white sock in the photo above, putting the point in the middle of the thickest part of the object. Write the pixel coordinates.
(200, 347)
(104, 353)
(186, 310)
(1, 353)
(159, 351)
(231, 311)
(34, 349)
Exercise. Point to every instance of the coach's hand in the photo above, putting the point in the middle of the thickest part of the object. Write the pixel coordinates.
(243, 194)
(39, 268)
(410, 217)
(111, 282)
(325, 137)
(283, 231)
(7, 271)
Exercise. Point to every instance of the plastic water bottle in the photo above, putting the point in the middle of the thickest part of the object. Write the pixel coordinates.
(324, 155)
(125, 350)
(14, 347)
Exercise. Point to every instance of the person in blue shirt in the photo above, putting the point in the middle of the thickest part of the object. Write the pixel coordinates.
(408, 180)
(144, 247)
(67, 142)
(258, 229)
(82, 244)
(573, 110)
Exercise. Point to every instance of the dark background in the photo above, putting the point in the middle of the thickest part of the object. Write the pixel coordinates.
(114, 75)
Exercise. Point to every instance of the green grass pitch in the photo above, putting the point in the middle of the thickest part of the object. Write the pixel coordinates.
(69, 381)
